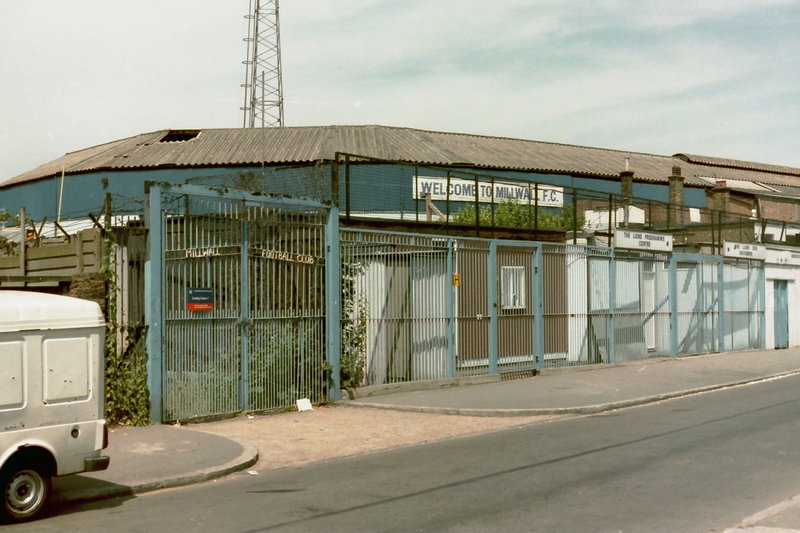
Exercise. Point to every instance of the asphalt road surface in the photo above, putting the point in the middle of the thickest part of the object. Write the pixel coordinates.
(700, 463)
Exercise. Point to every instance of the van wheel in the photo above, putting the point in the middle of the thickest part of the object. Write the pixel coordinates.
(25, 492)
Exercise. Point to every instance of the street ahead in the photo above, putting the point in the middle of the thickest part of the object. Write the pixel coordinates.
(700, 463)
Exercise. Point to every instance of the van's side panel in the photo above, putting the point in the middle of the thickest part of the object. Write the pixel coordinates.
(13, 387)
(53, 377)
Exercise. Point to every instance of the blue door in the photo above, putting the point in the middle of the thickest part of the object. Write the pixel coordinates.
(781, 313)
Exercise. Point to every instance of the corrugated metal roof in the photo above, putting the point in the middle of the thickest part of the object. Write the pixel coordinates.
(255, 146)
(736, 164)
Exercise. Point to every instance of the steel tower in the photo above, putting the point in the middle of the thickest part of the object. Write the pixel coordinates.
(263, 100)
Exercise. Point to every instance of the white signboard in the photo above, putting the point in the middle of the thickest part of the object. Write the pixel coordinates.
(640, 240)
(745, 251)
(783, 257)
(461, 190)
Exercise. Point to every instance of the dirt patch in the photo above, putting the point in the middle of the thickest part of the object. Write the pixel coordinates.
(296, 438)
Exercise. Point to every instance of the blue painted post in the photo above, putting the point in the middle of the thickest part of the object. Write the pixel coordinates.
(673, 306)
(244, 317)
(452, 248)
(721, 305)
(762, 306)
(153, 285)
(333, 295)
(492, 300)
(538, 309)
(612, 308)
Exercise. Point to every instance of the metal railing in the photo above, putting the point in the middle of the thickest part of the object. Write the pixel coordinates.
(435, 307)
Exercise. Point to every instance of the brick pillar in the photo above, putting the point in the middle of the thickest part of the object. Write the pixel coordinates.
(676, 207)
(722, 196)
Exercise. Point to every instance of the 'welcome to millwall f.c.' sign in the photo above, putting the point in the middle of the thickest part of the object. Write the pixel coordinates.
(461, 190)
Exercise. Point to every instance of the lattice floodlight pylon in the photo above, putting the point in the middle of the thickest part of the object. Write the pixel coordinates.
(263, 101)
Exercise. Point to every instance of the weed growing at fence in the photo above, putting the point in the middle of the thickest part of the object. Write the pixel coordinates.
(284, 364)
(354, 326)
(127, 400)
(288, 366)
(209, 389)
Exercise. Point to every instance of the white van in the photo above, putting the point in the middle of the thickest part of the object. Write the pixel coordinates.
(51, 396)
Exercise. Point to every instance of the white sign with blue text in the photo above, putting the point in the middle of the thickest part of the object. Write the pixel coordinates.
(640, 240)
(461, 190)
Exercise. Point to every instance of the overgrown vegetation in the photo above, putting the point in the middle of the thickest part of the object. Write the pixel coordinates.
(127, 400)
(354, 327)
(288, 367)
(523, 216)
(8, 247)
(284, 366)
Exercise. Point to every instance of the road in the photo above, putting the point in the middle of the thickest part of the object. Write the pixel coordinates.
(700, 463)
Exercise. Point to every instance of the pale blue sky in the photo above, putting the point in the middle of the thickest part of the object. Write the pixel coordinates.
(713, 77)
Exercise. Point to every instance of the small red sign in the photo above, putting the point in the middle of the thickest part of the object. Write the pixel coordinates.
(200, 306)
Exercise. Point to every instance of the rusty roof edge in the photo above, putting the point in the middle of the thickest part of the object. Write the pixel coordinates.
(75, 167)
(720, 162)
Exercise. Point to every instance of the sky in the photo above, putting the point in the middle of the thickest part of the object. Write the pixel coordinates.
(711, 77)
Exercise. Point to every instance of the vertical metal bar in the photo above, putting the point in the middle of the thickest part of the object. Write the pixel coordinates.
(416, 193)
(346, 187)
(447, 200)
(536, 211)
(153, 286)
(762, 306)
(452, 290)
(701, 297)
(23, 245)
(244, 316)
(612, 307)
(477, 202)
(530, 212)
(333, 293)
(673, 306)
(720, 290)
(491, 269)
(538, 309)
(492, 205)
(574, 216)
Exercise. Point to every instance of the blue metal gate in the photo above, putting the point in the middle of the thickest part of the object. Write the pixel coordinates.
(237, 305)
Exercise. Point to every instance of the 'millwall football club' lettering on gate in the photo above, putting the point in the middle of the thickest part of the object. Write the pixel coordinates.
(461, 190)
(283, 256)
(199, 253)
(277, 255)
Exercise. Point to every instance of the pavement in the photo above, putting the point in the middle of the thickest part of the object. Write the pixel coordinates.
(162, 456)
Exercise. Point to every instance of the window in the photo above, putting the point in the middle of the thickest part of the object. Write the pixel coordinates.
(512, 282)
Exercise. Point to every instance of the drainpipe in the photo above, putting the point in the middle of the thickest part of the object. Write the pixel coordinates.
(626, 185)
(722, 196)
